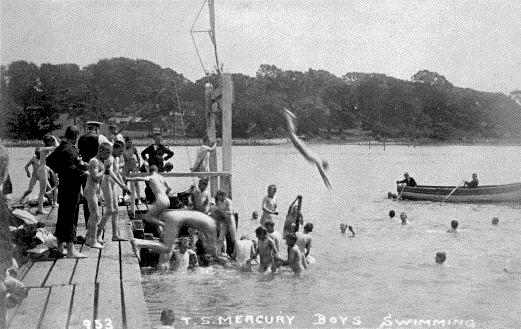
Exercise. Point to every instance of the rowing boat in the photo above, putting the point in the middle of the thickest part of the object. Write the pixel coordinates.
(486, 193)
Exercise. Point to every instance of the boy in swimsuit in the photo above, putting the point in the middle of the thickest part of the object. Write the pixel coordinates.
(269, 205)
(304, 240)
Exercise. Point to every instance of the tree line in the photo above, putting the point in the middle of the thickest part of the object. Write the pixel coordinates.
(328, 106)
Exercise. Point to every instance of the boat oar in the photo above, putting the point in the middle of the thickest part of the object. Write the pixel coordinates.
(454, 190)
(399, 197)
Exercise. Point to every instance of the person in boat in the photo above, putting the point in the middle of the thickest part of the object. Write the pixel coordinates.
(408, 181)
(473, 183)
(269, 205)
(453, 226)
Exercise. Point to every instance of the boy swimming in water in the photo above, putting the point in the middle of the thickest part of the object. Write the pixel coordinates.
(403, 218)
(296, 260)
(255, 215)
(183, 255)
(440, 257)
(453, 226)
(266, 250)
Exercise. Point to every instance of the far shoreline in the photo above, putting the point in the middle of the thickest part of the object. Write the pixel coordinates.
(172, 141)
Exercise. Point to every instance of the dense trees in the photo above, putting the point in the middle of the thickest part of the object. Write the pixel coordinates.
(427, 106)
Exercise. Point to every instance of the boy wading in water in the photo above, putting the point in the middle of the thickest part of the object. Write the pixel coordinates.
(267, 251)
(269, 205)
(296, 260)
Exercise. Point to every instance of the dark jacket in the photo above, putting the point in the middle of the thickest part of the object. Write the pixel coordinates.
(88, 146)
(408, 181)
(65, 162)
(156, 157)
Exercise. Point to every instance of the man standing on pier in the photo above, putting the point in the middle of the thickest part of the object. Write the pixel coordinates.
(155, 153)
(66, 163)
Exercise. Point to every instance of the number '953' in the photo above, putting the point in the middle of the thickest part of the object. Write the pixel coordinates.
(98, 324)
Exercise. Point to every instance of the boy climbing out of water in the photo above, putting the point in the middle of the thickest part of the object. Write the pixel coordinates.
(182, 256)
(296, 260)
(269, 205)
(160, 188)
(266, 250)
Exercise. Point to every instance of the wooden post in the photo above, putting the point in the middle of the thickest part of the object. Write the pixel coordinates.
(210, 132)
(132, 199)
(227, 100)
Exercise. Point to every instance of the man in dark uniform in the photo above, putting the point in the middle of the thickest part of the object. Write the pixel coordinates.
(473, 183)
(65, 161)
(409, 181)
(155, 153)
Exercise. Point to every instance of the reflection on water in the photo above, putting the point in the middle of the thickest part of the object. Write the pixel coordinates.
(387, 268)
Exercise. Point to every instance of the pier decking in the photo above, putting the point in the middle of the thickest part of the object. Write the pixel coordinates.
(100, 291)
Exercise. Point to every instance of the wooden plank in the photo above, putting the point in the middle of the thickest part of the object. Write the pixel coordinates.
(82, 305)
(61, 272)
(130, 270)
(109, 266)
(189, 174)
(30, 312)
(86, 268)
(109, 304)
(37, 274)
(57, 312)
(124, 228)
(136, 313)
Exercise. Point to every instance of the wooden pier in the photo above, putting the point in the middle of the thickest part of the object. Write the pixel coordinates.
(101, 291)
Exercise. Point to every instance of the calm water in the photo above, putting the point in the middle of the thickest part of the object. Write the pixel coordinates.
(387, 268)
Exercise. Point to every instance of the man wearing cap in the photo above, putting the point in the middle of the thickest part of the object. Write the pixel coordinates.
(155, 153)
(88, 148)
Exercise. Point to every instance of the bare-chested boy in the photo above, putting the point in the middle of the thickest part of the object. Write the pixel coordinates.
(90, 193)
(296, 260)
(160, 188)
(269, 205)
(243, 252)
(266, 250)
(304, 239)
(201, 197)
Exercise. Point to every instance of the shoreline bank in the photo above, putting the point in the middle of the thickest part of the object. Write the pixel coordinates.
(170, 141)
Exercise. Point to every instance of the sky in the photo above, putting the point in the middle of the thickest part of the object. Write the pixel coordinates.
(474, 44)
